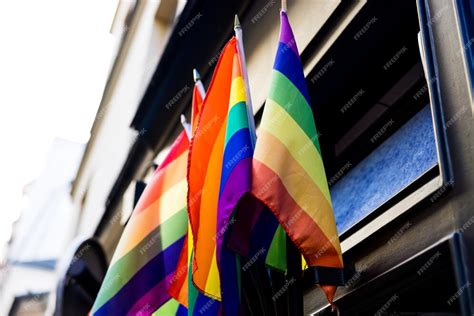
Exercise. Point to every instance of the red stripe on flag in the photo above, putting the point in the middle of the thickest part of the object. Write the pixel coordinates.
(294, 220)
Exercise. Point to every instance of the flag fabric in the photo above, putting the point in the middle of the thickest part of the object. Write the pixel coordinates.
(172, 307)
(183, 290)
(179, 290)
(288, 172)
(219, 173)
(204, 172)
(196, 106)
(236, 177)
(187, 295)
(144, 263)
(256, 234)
(198, 303)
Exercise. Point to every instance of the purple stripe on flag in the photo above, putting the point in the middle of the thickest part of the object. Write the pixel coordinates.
(288, 64)
(153, 273)
(246, 218)
(152, 300)
(238, 183)
(286, 34)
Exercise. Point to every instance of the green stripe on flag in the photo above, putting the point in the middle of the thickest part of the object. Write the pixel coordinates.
(276, 257)
(192, 291)
(237, 120)
(123, 270)
(283, 92)
(167, 309)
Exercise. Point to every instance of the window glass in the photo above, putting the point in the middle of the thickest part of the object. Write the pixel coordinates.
(401, 159)
(373, 113)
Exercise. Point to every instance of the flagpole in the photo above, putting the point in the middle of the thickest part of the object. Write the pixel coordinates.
(186, 126)
(198, 83)
(202, 93)
(243, 64)
(283, 5)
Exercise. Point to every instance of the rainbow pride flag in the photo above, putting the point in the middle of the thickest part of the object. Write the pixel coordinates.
(198, 303)
(204, 174)
(219, 173)
(179, 290)
(235, 182)
(288, 171)
(145, 260)
(183, 289)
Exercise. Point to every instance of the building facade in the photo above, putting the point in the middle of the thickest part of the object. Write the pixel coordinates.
(391, 86)
(42, 233)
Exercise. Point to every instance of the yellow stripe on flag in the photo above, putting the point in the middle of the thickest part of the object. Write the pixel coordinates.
(237, 92)
(298, 184)
(298, 144)
(144, 222)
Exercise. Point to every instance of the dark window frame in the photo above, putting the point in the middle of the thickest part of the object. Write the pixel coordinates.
(465, 18)
(435, 181)
(426, 186)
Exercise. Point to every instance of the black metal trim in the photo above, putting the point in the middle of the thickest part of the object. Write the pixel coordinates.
(451, 244)
(460, 271)
(436, 103)
(466, 29)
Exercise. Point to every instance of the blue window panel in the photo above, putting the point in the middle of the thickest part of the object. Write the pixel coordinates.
(399, 161)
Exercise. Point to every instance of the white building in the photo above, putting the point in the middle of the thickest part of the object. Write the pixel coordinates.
(46, 226)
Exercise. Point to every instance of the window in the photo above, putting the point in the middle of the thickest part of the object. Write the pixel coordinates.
(382, 144)
(429, 283)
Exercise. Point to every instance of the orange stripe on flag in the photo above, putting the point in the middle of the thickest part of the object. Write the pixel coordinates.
(292, 216)
(305, 205)
(161, 184)
(205, 159)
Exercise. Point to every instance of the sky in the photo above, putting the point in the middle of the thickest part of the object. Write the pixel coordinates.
(55, 56)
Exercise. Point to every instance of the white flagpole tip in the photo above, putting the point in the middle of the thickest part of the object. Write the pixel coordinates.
(283, 5)
(196, 75)
(186, 126)
(236, 22)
